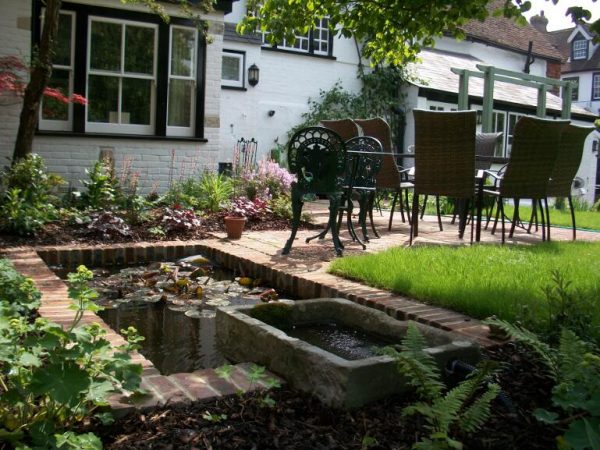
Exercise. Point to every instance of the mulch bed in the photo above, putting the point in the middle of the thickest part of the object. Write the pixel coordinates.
(299, 421)
(65, 233)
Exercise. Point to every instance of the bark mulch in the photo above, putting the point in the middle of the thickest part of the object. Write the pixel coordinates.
(300, 421)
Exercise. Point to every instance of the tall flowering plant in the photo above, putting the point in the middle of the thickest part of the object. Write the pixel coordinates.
(268, 180)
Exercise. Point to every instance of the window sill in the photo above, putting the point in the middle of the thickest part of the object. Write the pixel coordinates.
(234, 88)
(71, 134)
(292, 52)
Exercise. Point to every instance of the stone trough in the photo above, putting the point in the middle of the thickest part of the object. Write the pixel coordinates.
(337, 381)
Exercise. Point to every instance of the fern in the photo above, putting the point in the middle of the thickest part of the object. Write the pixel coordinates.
(462, 406)
(543, 350)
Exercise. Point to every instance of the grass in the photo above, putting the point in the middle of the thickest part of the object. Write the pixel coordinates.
(589, 220)
(481, 280)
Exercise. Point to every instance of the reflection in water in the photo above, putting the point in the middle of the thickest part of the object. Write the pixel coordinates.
(347, 343)
(174, 342)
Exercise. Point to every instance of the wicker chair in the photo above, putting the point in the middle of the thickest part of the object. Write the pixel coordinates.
(444, 158)
(485, 145)
(391, 177)
(567, 163)
(365, 159)
(346, 128)
(317, 156)
(533, 155)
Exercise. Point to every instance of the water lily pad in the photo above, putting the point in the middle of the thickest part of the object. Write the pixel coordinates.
(218, 301)
(178, 308)
(154, 298)
(194, 313)
(196, 260)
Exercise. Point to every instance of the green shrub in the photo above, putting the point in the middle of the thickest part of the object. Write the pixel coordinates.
(214, 190)
(53, 378)
(575, 367)
(17, 292)
(465, 408)
(28, 200)
(101, 186)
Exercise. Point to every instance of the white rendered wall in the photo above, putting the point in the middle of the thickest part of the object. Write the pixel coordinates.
(585, 91)
(287, 81)
(152, 159)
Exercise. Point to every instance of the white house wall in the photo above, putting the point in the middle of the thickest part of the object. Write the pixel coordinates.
(286, 83)
(156, 160)
(585, 91)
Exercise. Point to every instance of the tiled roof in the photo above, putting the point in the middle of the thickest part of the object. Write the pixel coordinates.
(505, 33)
(231, 35)
(433, 72)
(559, 38)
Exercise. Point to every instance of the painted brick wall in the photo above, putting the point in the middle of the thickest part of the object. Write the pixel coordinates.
(157, 162)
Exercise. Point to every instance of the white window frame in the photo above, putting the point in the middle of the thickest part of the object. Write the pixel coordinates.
(596, 86)
(63, 125)
(120, 128)
(580, 51)
(174, 130)
(317, 41)
(241, 56)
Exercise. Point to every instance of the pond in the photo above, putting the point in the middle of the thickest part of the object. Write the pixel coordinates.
(172, 304)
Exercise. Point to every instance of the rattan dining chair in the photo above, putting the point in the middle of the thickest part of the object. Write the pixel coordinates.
(346, 128)
(391, 177)
(533, 154)
(567, 163)
(317, 156)
(444, 159)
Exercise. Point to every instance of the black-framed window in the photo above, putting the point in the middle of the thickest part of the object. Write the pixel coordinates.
(575, 91)
(318, 41)
(596, 86)
(141, 76)
(579, 48)
(233, 69)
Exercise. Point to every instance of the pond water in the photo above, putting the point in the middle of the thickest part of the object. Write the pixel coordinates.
(172, 305)
(345, 342)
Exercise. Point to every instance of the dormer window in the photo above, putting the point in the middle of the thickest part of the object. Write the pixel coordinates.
(580, 48)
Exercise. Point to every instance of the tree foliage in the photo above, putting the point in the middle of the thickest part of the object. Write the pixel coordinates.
(393, 31)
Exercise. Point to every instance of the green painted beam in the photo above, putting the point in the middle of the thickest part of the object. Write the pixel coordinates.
(488, 99)
(541, 101)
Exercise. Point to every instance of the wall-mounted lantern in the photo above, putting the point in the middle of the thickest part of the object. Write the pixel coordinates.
(253, 73)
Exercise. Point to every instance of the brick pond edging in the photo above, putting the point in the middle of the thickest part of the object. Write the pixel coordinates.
(205, 384)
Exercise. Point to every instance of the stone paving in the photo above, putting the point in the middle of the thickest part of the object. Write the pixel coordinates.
(303, 272)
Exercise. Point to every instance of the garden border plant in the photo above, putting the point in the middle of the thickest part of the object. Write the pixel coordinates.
(52, 379)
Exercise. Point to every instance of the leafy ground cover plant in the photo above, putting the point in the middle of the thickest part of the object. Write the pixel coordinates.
(53, 378)
(108, 224)
(28, 200)
(463, 409)
(101, 187)
(575, 368)
(483, 280)
(178, 219)
(244, 207)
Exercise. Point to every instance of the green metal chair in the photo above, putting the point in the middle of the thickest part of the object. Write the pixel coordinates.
(317, 156)
(364, 162)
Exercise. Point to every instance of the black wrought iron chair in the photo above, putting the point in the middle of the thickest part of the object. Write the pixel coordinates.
(317, 156)
(444, 159)
(568, 160)
(391, 177)
(364, 161)
(532, 158)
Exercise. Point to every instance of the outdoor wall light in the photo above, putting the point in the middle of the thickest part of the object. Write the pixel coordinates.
(253, 73)
(271, 112)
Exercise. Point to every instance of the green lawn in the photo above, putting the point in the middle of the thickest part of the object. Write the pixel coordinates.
(481, 280)
(589, 220)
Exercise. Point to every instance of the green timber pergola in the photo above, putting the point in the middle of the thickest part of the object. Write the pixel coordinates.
(492, 74)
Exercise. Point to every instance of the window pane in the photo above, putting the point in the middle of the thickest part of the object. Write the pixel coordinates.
(106, 46)
(183, 48)
(103, 99)
(139, 50)
(181, 93)
(53, 109)
(62, 48)
(137, 96)
(231, 68)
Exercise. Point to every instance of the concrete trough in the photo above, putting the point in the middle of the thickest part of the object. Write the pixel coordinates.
(336, 381)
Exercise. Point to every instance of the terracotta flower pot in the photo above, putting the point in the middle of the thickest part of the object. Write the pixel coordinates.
(234, 226)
